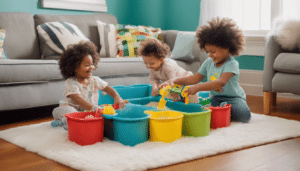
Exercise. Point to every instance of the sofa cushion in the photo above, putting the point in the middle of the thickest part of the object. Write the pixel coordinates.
(21, 41)
(2, 37)
(58, 35)
(121, 67)
(128, 38)
(15, 72)
(108, 39)
(109, 68)
(87, 23)
(288, 63)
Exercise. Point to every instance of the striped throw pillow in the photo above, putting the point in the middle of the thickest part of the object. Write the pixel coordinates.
(2, 37)
(128, 38)
(108, 42)
(58, 35)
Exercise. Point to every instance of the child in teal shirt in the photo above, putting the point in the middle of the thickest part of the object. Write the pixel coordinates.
(221, 39)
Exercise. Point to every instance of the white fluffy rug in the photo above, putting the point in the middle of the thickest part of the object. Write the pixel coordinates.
(53, 144)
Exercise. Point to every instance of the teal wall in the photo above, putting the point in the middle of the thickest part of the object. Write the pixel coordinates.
(251, 62)
(168, 15)
(180, 15)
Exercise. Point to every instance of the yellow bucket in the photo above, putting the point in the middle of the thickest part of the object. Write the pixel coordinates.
(165, 126)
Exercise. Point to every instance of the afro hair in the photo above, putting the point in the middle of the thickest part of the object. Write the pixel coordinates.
(223, 33)
(74, 54)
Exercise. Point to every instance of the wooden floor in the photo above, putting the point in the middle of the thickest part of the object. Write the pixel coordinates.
(283, 155)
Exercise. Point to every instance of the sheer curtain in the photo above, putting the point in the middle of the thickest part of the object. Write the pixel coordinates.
(250, 15)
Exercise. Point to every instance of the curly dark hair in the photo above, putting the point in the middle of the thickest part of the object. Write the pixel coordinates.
(74, 54)
(223, 33)
(153, 47)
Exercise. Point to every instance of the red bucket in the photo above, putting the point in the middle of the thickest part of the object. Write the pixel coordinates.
(84, 131)
(220, 116)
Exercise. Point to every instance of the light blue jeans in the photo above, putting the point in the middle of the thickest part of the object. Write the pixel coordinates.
(239, 108)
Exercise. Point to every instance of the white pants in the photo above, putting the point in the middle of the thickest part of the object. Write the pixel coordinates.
(60, 111)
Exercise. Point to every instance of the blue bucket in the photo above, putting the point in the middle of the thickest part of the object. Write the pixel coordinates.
(129, 126)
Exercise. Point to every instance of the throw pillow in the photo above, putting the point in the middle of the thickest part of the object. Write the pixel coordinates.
(128, 38)
(287, 33)
(108, 42)
(58, 35)
(2, 37)
(183, 47)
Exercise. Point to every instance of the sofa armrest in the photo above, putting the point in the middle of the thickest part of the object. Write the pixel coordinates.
(272, 50)
(169, 37)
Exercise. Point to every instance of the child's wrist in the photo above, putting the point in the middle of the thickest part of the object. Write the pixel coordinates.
(94, 108)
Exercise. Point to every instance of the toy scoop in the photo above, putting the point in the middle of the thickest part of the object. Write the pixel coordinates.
(108, 110)
(163, 92)
(185, 95)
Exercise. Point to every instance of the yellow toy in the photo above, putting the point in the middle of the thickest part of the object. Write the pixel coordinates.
(163, 92)
(108, 110)
(185, 95)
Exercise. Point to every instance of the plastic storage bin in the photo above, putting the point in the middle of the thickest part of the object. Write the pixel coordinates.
(129, 126)
(84, 131)
(220, 116)
(165, 126)
(126, 92)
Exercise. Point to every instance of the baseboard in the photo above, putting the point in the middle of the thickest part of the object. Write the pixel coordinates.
(251, 82)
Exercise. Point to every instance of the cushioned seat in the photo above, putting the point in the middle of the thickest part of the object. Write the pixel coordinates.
(28, 71)
(287, 63)
(118, 67)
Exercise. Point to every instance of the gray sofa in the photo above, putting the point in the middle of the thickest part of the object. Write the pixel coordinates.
(281, 73)
(28, 81)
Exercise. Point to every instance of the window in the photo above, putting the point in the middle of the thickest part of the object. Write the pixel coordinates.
(255, 17)
(250, 15)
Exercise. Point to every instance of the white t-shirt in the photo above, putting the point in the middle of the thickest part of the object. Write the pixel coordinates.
(89, 92)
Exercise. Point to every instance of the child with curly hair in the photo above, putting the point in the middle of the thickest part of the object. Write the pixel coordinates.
(221, 39)
(162, 68)
(76, 64)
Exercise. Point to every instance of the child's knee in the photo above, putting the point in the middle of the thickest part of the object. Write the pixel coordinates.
(58, 112)
(245, 117)
(241, 115)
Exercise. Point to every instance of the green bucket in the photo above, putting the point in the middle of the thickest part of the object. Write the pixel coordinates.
(196, 124)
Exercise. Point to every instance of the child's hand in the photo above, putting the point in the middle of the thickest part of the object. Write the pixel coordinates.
(154, 91)
(120, 102)
(176, 97)
(98, 113)
(191, 90)
(166, 83)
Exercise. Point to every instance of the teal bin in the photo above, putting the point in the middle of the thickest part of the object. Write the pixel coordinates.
(126, 92)
(129, 126)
